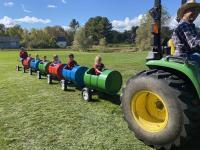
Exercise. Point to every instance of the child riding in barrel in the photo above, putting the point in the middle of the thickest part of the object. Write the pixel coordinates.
(37, 57)
(98, 66)
(56, 60)
(29, 57)
(44, 59)
(23, 54)
(185, 36)
(71, 62)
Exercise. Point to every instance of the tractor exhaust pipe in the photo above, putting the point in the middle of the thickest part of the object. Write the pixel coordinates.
(156, 14)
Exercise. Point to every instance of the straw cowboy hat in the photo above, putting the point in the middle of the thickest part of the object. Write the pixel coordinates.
(190, 4)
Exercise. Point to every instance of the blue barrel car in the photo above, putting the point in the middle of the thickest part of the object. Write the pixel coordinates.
(75, 76)
(34, 66)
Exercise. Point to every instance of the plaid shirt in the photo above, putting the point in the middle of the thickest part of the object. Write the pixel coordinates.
(185, 38)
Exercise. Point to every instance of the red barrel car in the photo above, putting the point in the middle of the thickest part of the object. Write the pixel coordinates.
(55, 72)
(26, 63)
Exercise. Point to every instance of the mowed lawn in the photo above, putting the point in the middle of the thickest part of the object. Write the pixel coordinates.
(38, 116)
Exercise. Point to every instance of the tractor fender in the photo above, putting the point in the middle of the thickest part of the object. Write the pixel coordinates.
(189, 71)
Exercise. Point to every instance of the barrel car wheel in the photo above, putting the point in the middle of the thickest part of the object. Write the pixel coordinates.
(24, 70)
(86, 94)
(17, 68)
(30, 71)
(49, 79)
(64, 85)
(39, 75)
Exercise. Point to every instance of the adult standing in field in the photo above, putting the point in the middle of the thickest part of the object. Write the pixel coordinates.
(23, 54)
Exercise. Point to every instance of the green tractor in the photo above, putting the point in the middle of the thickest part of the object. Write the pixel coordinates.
(162, 105)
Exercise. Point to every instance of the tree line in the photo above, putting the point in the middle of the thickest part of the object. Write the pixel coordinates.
(97, 31)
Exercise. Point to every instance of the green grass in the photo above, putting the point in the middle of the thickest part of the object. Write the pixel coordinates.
(36, 116)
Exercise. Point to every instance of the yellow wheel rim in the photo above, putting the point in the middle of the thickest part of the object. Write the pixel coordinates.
(149, 110)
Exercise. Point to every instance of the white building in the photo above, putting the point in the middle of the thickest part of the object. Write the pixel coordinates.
(61, 42)
(9, 42)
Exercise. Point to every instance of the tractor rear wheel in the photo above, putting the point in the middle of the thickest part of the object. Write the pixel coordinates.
(161, 109)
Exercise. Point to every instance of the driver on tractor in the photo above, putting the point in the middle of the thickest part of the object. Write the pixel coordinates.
(185, 36)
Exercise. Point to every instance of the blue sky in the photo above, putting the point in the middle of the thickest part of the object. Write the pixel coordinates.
(40, 13)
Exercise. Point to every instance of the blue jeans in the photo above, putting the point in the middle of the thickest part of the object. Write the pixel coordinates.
(195, 57)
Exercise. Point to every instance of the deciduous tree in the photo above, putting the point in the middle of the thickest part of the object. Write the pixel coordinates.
(97, 28)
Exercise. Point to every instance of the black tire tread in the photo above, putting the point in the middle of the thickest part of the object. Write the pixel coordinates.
(186, 95)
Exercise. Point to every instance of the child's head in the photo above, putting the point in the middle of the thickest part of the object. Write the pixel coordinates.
(71, 57)
(98, 59)
(45, 58)
(55, 58)
(37, 56)
(22, 49)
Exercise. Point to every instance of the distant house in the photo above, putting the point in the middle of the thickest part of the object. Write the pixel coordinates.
(9, 42)
(61, 42)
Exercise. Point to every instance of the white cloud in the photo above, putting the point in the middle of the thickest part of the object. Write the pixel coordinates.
(9, 22)
(66, 27)
(51, 6)
(8, 4)
(63, 1)
(197, 22)
(24, 9)
(173, 23)
(127, 23)
(33, 20)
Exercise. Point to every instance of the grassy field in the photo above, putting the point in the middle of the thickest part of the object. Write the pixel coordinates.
(36, 116)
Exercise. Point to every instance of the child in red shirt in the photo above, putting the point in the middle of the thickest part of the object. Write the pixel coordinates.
(23, 54)
(98, 66)
(71, 62)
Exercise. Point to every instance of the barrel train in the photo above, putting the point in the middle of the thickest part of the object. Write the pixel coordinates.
(108, 82)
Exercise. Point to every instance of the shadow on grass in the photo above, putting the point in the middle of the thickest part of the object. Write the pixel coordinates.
(115, 99)
(192, 144)
(70, 90)
(95, 101)
(55, 83)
